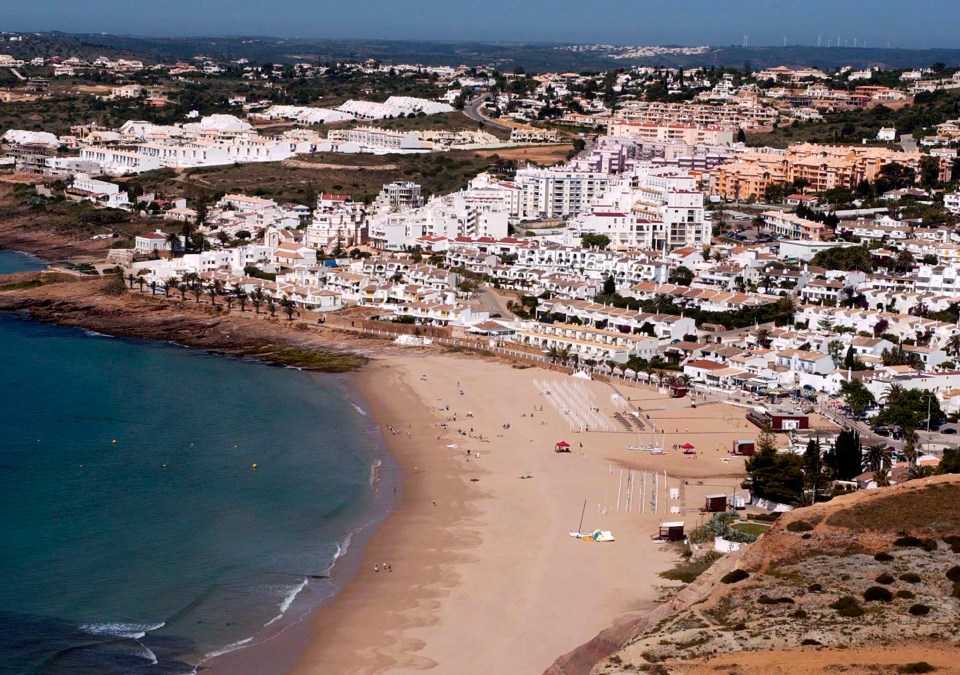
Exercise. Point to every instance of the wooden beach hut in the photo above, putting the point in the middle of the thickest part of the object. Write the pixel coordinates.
(716, 503)
(671, 531)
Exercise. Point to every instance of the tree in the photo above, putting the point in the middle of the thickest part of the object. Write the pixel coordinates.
(773, 475)
(271, 306)
(953, 345)
(763, 337)
(845, 458)
(600, 241)
(153, 287)
(241, 296)
(203, 211)
(876, 458)
(950, 462)
(681, 276)
(175, 243)
(741, 136)
(910, 448)
(857, 396)
(257, 298)
(288, 307)
(834, 347)
(814, 473)
(609, 285)
(906, 409)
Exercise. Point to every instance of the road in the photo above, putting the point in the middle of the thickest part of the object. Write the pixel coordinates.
(472, 110)
(908, 143)
(494, 303)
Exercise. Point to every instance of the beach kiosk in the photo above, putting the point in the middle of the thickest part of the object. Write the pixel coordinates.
(678, 390)
(561, 446)
(746, 448)
(716, 503)
(671, 531)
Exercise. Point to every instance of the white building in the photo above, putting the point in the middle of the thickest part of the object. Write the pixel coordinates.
(99, 192)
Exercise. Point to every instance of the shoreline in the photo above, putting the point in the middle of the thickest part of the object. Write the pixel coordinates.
(491, 541)
(456, 569)
(279, 649)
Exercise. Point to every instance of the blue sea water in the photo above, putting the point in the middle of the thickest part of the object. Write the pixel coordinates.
(135, 534)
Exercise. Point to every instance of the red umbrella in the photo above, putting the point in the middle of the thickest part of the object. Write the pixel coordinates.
(563, 444)
(687, 446)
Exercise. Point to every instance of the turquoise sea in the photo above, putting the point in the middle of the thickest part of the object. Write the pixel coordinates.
(136, 536)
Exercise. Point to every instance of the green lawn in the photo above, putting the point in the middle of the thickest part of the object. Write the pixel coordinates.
(750, 528)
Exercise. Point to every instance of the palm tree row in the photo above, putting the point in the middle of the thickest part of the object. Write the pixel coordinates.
(192, 283)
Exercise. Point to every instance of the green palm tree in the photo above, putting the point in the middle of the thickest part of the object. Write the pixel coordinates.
(257, 298)
(174, 240)
(141, 282)
(910, 452)
(876, 458)
(271, 306)
(241, 296)
(953, 345)
(131, 279)
(153, 287)
(288, 307)
(213, 292)
(893, 394)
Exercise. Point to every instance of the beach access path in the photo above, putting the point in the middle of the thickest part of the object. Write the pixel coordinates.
(484, 575)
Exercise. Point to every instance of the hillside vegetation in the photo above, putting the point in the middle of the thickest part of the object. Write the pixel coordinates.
(840, 580)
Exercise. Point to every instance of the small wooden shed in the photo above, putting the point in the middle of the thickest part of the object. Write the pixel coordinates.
(716, 503)
(672, 531)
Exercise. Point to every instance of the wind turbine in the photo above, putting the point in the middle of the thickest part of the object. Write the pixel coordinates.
(818, 39)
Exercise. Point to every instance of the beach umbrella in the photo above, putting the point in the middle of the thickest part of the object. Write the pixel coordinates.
(617, 371)
(630, 373)
(687, 446)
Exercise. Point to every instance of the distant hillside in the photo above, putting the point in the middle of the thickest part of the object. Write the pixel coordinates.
(829, 587)
(531, 56)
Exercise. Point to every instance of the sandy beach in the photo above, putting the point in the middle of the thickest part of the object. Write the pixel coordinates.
(482, 573)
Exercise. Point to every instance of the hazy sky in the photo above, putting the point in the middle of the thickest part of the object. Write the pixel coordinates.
(920, 23)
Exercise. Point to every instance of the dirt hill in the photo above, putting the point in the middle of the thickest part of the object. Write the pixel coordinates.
(832, 587)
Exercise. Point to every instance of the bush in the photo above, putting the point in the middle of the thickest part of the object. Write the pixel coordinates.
(956, 589)
(767, 517)
(953, 541)
(815, 588)
(919, 610)
(883, 557)
(905, 595)
(877, 594)
(908, 542)
(799, 526)
(929, 545)
(910, 577)
(809, 642)
(847, 606)
(767, 600)
(734, 577)
(918, 667)
(885, 578)
(953, 574)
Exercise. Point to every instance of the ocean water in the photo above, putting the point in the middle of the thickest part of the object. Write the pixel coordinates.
(136, 536)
